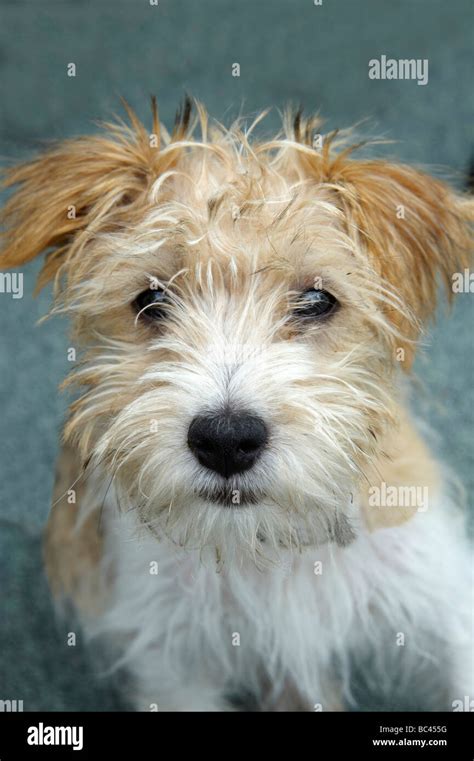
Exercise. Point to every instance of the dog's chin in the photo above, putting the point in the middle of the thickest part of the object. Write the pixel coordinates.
(317, 527)
(239, 517)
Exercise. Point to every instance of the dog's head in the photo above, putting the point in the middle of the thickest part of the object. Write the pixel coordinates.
(243, 310)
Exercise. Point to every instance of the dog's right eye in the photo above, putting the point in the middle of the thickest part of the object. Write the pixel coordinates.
(151, 305)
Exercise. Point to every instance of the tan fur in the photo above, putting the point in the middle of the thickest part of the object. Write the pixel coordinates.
(72, 548)
(405, 462)
(430, 241)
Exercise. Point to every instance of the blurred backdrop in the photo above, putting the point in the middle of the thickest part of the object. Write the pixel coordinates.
(288, 51)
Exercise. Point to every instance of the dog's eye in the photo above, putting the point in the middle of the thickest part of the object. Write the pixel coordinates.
(151, 304)
(315, 303)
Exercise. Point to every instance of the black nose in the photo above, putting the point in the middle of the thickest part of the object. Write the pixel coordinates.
(227, 443)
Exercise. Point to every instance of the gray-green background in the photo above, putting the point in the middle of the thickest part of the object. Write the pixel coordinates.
(288, 50)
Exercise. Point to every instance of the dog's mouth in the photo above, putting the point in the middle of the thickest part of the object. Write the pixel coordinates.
(230, 495)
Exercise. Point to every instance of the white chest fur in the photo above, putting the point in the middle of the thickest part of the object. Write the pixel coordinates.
(192, 632)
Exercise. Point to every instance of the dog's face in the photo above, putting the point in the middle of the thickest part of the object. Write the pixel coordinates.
(243, 311)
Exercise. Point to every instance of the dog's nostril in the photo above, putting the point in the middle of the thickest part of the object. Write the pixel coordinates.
(203, 445)
(228, 443)
(249, 446)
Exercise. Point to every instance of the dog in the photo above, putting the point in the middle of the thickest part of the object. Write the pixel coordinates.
(245, 510)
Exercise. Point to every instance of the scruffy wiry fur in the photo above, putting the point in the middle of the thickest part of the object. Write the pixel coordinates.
(235, 230)
(298, 630)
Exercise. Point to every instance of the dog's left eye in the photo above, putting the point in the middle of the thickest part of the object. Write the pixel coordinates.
(151, 304)
(315, 303)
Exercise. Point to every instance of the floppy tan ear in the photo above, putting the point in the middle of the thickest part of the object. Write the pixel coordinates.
(416, 229)
(66, 194)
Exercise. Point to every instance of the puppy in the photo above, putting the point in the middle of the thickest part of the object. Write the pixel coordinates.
(245, 511)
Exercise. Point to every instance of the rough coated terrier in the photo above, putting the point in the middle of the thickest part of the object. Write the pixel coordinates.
(244, 506)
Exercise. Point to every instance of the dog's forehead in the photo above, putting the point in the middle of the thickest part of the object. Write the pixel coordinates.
(245, 184)
(243, 209)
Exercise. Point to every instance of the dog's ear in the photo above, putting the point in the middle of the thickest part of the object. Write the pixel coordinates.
(65, 195)
(416, 229)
